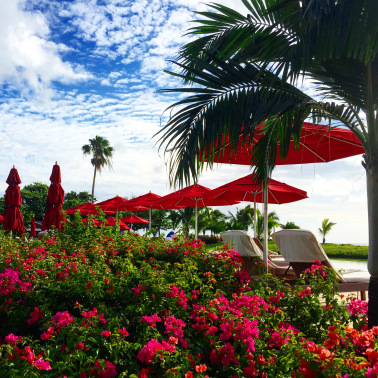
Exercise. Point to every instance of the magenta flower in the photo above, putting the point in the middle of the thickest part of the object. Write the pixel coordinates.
(12, 339)
(42, 365)
(106, 333)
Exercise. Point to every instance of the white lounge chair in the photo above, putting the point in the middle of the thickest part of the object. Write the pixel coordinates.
(300, 249)
(247, 247)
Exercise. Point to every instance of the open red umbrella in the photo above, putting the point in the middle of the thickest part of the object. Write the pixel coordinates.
(149, 200)
(111, 221)
(55, 199)
(88, 208)
(133, 219)
(247, 189)
(96, 222)
(318, 144)
(193, 196)
(12, 215)
(33, 234)
(119, 204)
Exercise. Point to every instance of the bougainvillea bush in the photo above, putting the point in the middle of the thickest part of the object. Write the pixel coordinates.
(97, 303)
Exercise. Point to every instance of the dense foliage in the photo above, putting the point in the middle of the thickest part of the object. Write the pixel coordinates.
(97, 303)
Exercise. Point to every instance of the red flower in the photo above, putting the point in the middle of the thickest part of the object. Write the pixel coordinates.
(79, 346)
(106, 280)
(89, 285)
(106, 333)
(189, 374)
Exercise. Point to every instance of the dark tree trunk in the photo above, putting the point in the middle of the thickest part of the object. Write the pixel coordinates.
(373, 302)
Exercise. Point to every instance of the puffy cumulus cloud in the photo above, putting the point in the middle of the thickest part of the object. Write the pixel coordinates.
(29, 59)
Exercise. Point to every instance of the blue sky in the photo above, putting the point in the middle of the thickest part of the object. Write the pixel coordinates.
(71, 70)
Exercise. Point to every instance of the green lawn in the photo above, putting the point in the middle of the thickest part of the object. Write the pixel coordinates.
(333, 251)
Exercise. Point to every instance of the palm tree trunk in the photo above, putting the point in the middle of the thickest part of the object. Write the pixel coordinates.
(93, 185)
(323, 239)
(372, 199)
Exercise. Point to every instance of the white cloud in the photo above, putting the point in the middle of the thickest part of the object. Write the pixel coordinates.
(28, 57)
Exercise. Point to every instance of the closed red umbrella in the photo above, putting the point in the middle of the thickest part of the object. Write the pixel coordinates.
(13, 219)
(55, 198)
(193, 196)
(33, 233)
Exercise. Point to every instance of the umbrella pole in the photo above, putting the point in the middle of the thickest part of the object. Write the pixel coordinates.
(255, 214)
(196, 222)
(265, 252)
(149, 217)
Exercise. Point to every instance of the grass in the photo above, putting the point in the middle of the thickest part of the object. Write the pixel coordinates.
(333, 251)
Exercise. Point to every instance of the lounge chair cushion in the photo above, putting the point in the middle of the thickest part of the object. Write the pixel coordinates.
(243, 243)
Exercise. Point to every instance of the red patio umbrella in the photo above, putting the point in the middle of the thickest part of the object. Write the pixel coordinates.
(318, 144)
(33, 234)
(193, 196)
(133, 219)
(247, 189)
(119, 204)
(111, 221)
(149, 200)
(96, 222)
(55, 199)
(88, 208)
(13, 219)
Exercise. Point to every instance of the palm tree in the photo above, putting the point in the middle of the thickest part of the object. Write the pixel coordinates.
(102, 154)
(289, 226)
(326, 228)
(246, 68)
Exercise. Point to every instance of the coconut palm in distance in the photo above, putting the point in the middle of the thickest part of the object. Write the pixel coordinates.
(102, 154)
(326, 228)
(243, 70)
(289, 226)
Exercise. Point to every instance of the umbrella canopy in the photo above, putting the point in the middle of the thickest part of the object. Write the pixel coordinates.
(55, 199)
(96, 222)
(12, 215)
(247, 189)
(318, 144)
(133, 219)
(33, 234)
(88, 208)
(149, 200)
(193, 196)
(111, 221)
(119, 204)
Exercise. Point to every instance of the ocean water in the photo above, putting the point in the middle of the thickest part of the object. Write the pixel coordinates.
(346, 264)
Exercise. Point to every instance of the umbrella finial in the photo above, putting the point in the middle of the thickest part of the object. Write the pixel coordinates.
(56, 163)
(14, 167)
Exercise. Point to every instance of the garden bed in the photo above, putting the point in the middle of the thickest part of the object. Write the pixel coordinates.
(94, 303)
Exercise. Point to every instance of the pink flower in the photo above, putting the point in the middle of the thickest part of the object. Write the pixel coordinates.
(79, 346)
(122, 331)
(12, 339)
(110, 369)
(106, 333)
(35, 315)
(151, 320)
(42, 365)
